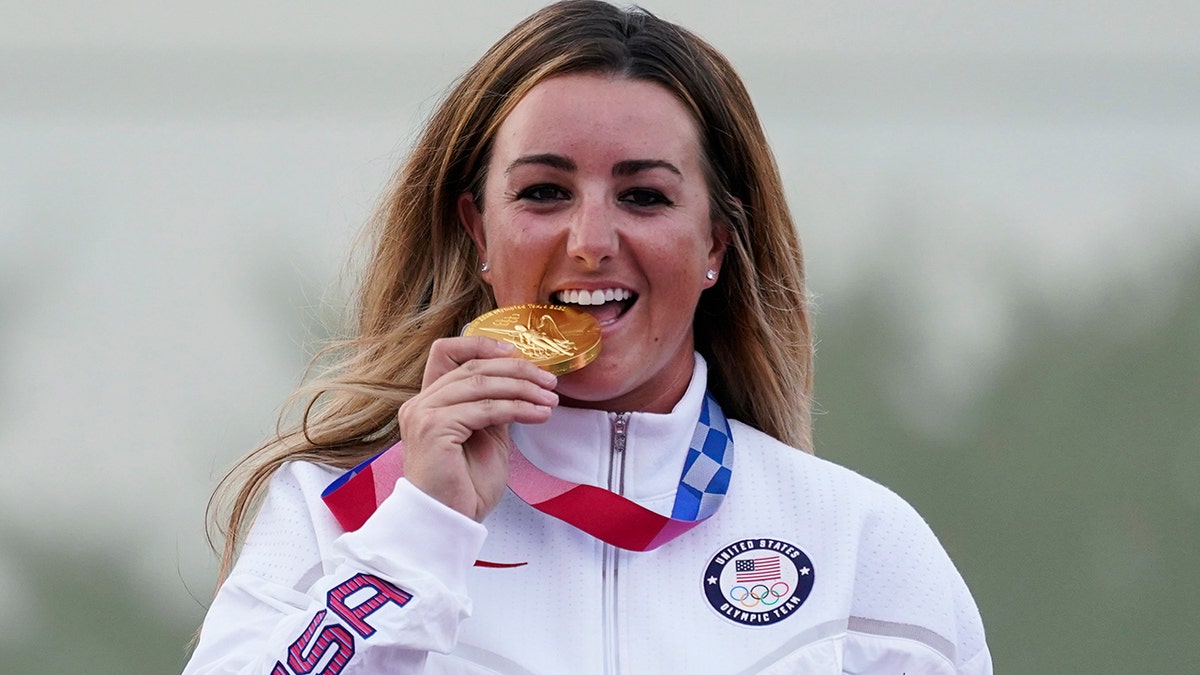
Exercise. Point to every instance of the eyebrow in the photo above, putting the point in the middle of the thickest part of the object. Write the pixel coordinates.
(630, 167)
(545, 159)
(626, 167)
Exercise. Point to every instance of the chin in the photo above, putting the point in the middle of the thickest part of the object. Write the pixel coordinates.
(588, 388)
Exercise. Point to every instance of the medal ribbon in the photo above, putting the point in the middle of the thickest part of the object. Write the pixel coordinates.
(610, 517)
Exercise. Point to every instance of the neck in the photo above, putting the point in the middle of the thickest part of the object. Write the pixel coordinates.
(653, 396)
(575, 444)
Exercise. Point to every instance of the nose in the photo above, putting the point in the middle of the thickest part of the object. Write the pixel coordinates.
(592, 238)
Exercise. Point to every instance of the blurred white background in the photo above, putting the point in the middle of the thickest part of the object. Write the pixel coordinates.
(181, 184)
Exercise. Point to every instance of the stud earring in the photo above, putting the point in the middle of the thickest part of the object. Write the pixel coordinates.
(484, 267)
(710, 275)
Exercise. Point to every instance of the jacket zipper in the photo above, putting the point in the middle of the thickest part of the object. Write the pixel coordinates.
(616, 483)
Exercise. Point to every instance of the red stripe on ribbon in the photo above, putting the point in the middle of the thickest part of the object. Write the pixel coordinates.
(354, 502)
(603, 514)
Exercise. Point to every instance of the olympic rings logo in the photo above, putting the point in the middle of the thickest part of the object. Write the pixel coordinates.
(753, 596)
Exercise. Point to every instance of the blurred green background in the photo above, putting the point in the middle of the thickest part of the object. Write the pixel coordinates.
(1000, 205)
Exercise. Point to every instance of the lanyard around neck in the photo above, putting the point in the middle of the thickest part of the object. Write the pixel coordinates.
(608, 516)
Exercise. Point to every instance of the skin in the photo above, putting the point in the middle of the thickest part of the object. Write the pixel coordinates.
(593, 182)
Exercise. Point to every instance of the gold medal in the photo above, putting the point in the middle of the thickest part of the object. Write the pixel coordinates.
(558, 339)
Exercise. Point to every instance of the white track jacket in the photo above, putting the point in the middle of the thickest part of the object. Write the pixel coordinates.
(806, 568)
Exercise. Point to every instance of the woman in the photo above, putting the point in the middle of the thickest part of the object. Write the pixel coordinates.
(603, 159)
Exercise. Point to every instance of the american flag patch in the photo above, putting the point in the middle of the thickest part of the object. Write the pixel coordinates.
(757, 569)
(758, 582)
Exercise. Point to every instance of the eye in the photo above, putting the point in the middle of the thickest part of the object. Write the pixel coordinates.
(543, 193)
(644, 198)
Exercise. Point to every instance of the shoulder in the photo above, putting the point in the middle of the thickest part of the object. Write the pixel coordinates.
(292, 525)
(902, 580)
(815, 479)
(854, 511)
(294, 492)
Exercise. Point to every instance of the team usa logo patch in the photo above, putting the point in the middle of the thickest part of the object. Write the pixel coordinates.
(758, 582)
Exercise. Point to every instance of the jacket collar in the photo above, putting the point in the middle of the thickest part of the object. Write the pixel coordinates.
(576, 445)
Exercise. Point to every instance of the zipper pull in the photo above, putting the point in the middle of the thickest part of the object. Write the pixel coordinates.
(619, 425)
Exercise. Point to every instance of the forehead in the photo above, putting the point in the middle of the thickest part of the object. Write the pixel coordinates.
(616, 117)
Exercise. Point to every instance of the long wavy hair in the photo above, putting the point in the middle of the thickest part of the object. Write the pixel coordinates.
(420, 281)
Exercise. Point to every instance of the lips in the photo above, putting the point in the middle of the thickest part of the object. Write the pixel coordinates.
(604, 304)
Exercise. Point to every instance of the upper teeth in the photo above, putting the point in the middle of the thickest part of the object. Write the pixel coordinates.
(596, 297)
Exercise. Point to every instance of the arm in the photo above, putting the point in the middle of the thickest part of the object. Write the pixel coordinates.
(912, 611)
(304, 598)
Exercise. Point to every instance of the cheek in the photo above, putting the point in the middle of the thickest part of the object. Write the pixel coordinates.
(522, 256)
(676, 277)
(514, 232)
(519, 264)
(684, 254)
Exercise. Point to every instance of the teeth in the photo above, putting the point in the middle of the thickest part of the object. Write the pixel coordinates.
(596, 297)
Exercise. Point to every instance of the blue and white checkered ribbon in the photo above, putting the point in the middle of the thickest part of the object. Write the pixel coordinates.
(708, 467)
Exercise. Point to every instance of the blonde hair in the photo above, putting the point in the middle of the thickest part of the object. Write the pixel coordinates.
(420, 282)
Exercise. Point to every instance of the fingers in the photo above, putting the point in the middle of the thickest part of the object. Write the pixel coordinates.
(447, 354)
(455, 428)
(472, 383)
(496, 377)
(459, 421)
(478, 395)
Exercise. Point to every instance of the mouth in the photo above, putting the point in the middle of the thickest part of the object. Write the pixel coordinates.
(606, 305)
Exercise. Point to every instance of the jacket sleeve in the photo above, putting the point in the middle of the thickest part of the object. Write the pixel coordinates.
(912, 611)
(304, 597)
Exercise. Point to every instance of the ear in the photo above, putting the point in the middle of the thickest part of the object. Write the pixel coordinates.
(716, 253)
(471, 219)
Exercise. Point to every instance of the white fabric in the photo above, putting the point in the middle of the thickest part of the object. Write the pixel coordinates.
(885, 599)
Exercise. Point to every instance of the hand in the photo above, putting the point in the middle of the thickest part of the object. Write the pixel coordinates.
(455, 431)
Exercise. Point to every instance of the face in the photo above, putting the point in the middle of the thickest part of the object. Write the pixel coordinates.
(595, 198)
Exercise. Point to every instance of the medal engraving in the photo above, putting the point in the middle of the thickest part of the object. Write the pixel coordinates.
(558, 339)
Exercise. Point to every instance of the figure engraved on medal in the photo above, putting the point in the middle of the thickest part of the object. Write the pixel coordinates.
(542, 342)
(558, 339)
